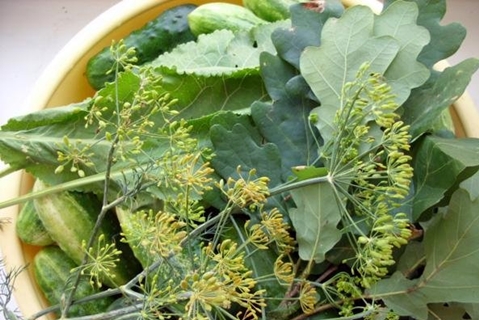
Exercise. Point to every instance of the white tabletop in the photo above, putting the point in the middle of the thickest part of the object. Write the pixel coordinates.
(33, 31)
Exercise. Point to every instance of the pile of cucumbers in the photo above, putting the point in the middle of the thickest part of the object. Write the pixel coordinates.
(185, 23)
(60, 224)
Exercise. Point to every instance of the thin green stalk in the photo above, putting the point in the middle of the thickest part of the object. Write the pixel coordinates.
(8, 170)
(295, 184)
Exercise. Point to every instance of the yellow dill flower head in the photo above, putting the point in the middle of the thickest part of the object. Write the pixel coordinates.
(246, 192)
(308, 297)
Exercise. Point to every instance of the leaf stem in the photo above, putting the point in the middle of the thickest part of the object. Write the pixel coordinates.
(6, 171)
(294, 184)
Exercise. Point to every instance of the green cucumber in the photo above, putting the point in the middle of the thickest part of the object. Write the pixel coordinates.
(160, 35)
(52, 270)
(69, 217)
(29, 227)
(270, 10)
(214, 16)
(175, 267)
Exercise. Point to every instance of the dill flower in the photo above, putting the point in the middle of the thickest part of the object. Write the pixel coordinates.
(102, 259)
(271, 229)
(368, 153)
(246, 193)
(308, 297)
(159, 233)
(225, 281)
(284, 270)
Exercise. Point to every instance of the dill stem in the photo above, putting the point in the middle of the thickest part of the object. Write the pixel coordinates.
(105, 208)
(6, 171)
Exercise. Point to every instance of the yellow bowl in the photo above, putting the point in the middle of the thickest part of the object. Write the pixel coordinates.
(63, 82)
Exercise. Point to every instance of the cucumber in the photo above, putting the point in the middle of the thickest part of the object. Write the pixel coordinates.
(29, 227)
(160, 35)
(69, 217)
(270, 10)
(175, 267)
(52, 271)
(213, 16)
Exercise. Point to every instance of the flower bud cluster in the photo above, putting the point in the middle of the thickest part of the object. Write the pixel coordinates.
(369, 154)
(272, 229)
(246, 193)
(224, 281)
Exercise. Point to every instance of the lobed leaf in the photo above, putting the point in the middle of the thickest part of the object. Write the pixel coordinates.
(315, 220)
(221, 53)
(236, 147)
(426, 104)
(451, 246)
(347, 43)
(305, 30)
(439, 165)
(284, 121)
(405, 72)
(445, 39)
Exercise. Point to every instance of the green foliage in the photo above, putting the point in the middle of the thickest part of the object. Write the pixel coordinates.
(315, 220)
(430, 16)
(440, 165)
(288, 172)
(235, 148)
(437, 97)
(221, 53)
(450, 246)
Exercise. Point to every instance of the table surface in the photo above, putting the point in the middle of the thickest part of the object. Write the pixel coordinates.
(33, 31)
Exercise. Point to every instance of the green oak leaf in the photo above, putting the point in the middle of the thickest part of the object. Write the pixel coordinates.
(426, 104)
(347, 43)
(440, 164)
(430, 16)
(315, 220)
(236, 147)
(284, 121)
(305, 30)
(451, 246)
(405, 72)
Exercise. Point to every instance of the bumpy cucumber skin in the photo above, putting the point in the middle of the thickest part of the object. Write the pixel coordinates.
(160, 35)
(29, 227)
(69, 218)
(51, 267)
(143, 253)
(270, 10)
(214, 16)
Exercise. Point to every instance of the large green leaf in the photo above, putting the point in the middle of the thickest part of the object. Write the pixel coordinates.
(439, 165)
(451, 245)
(315, 220)
(305, 30)
(405, 72)
(198, 96)
(236, 147)
(347, 43)
(445, 39)
(284, 121)
(427, 103)
(221, 53)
